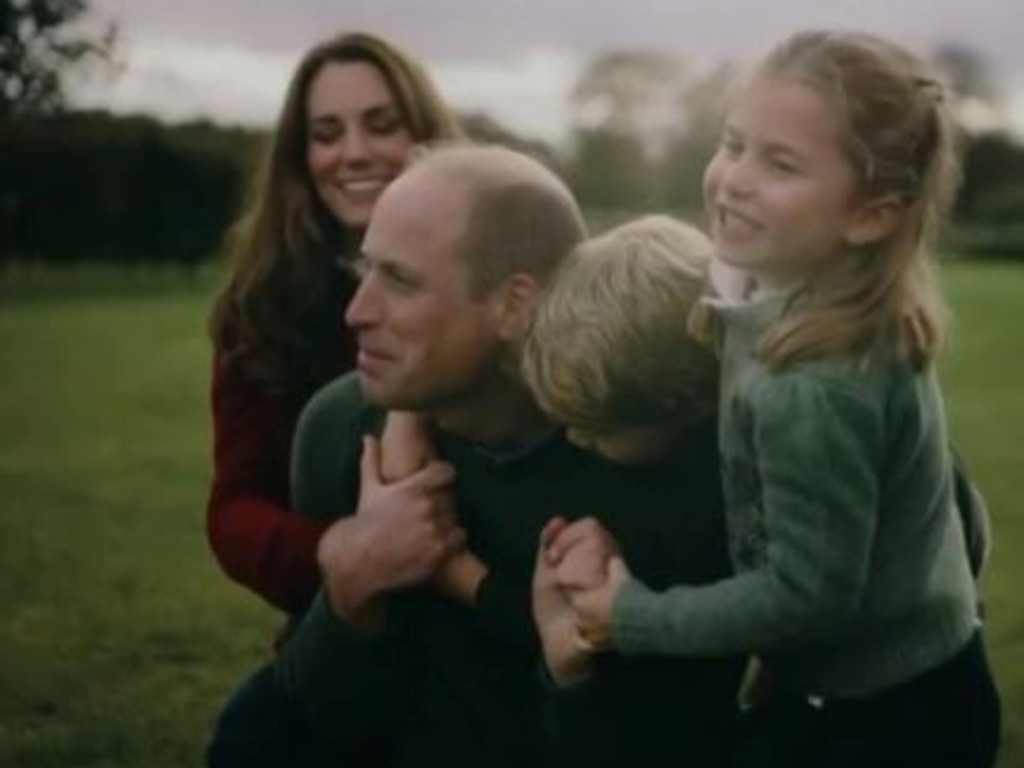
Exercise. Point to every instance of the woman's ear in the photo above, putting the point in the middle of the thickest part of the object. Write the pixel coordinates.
(514, 303)
(875, 220)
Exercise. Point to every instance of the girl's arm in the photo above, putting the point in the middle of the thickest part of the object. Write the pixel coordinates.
(801, 470)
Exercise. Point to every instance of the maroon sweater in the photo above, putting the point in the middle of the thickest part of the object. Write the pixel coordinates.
(257, 538)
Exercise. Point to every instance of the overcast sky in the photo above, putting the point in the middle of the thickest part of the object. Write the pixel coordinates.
(229, 60)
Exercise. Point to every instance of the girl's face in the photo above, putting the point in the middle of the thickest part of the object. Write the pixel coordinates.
(780, 192)
(357, 141)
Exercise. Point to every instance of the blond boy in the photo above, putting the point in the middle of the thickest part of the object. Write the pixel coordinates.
(609, 354)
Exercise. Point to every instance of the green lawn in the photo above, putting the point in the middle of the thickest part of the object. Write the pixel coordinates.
(119, 637)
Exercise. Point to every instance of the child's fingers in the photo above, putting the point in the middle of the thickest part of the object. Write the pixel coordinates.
(582, 568)
(548, 534)
(369, 462)
(587, 530)
(435, 476)
(582, 644)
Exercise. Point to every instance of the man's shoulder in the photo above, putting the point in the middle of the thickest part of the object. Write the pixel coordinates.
(337, 408)
(327, 447)
(342, 392)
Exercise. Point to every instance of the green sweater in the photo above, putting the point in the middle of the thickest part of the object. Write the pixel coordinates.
(851, 573)
(454, 686)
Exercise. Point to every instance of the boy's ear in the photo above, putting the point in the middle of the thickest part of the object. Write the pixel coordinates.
(513, 306)
(875, 220)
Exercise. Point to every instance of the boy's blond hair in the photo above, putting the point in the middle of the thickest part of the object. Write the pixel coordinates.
(609, 345)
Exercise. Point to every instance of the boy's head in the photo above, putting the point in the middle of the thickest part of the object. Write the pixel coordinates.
(608, 353)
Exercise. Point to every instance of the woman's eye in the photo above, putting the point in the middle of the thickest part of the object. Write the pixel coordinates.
(325, 134)
(385, 127)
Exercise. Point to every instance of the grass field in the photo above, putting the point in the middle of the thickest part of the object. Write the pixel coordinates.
(119, 637)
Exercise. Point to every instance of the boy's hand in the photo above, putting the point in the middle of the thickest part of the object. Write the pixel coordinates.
(584, 566)
(400, 534)
(459, 577)
(405, 448)
(590, 571)
(567, 659)
(591, 547)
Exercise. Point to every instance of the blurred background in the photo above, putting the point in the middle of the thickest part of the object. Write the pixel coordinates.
(128, 129)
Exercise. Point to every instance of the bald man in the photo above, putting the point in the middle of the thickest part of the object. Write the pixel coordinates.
(455, 255)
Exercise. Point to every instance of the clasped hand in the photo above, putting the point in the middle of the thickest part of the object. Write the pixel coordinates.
(579, 572)
(399, 535)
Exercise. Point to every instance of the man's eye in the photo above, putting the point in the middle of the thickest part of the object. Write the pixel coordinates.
(401, 278)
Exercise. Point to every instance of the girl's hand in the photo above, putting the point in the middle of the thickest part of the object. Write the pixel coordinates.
(567, 659)
(592, 607)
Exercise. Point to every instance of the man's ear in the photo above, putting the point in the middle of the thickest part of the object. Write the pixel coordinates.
(513, 305)
(875, 220)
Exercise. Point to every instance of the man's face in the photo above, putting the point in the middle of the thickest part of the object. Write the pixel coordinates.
(424, 342)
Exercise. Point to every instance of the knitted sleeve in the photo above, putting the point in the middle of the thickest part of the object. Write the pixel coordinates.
(255, 536)
(802, 493)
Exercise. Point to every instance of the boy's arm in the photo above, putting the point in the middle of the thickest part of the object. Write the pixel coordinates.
(406, 447)
(389, 536)
(501, 610)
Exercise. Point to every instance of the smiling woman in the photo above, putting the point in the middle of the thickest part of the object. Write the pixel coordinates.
(355, 109)
(358, 141)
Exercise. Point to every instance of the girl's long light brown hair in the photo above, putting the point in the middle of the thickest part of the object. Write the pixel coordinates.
(899, 139)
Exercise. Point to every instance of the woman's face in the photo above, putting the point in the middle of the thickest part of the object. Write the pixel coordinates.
(357, 141)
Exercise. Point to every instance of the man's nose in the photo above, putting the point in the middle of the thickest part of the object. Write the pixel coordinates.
(363, 309)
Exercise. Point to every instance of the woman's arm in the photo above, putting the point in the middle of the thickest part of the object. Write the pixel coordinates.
(257, 539)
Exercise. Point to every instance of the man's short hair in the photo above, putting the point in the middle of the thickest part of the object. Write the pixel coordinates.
(609, 346)
(522, 217)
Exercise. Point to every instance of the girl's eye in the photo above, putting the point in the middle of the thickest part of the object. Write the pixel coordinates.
(783, 165)
(732, 146)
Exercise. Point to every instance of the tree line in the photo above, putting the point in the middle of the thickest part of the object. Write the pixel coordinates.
(93, 186)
